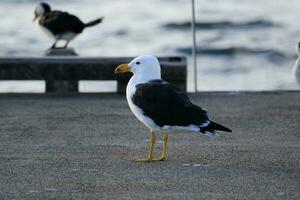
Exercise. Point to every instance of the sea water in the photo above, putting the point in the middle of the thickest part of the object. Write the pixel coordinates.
(241, 45)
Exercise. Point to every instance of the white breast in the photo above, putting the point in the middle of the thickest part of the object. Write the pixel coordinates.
(130, 90)
(47, 32)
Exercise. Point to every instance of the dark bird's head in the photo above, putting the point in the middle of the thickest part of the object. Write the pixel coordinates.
(298, 48)
(40, 10)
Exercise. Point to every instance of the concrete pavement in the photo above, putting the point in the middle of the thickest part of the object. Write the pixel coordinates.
(82, 147)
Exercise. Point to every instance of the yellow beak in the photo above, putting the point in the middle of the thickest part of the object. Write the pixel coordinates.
(122, 69)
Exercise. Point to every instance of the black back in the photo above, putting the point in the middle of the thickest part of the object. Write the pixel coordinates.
(167, 105)
(60, 22)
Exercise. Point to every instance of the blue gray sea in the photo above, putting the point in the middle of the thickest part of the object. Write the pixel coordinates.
(241, 44)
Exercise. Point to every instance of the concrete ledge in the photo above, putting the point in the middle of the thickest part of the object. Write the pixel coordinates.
(82, 147)
(62, 73)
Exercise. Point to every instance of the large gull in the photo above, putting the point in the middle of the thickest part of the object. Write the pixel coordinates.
(162, 107)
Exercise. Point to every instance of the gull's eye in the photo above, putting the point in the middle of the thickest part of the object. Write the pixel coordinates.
(138, 63)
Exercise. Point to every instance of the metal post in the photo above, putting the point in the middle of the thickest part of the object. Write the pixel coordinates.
(194, 53)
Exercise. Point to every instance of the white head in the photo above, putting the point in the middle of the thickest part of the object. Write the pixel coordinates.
(40, 10)
(143, 67)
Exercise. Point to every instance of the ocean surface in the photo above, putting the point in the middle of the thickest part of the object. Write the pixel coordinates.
(242, 45)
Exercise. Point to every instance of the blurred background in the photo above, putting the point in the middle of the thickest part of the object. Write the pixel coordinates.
(242, 45)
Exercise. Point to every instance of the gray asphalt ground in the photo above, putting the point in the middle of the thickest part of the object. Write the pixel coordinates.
(82, 147)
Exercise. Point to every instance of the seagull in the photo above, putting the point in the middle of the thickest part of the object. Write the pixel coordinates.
(296, 68)
(161, 106)
(60, 25)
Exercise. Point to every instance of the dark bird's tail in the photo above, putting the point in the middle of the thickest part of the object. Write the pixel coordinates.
(94, 22)
(219, 127)
(212, 127)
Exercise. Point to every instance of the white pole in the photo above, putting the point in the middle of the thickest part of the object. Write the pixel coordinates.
(194, 52)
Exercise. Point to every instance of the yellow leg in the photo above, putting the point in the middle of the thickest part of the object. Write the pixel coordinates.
(164, 150)
(150, 157)
(151, 149)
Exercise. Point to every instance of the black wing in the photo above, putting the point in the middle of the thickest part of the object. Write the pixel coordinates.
(167, 105)
(60, 22)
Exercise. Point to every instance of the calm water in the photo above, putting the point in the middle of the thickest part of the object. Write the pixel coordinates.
(242, 45)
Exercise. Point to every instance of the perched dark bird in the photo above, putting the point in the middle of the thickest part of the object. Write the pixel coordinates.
(162, 107)
(60, 25)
